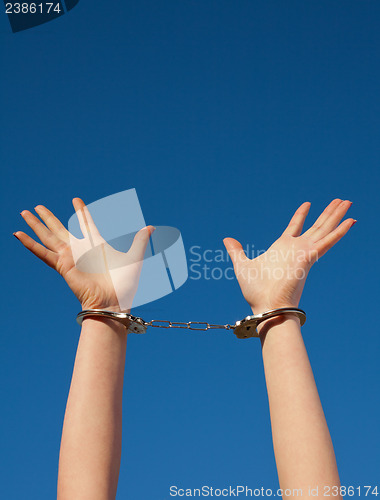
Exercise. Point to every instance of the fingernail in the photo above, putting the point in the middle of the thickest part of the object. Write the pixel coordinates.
(355, 221)
(14, 234)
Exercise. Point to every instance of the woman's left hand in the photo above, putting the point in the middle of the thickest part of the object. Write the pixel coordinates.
(277, 277)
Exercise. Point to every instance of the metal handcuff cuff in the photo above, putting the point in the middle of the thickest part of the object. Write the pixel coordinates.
(243, 329)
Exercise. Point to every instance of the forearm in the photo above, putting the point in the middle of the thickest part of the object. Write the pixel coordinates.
(302, 444)
(90, 451)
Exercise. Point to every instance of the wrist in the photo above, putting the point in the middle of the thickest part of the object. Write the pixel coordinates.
(111, 308)
(90, 322)
(265, 326)
(261, 308)
(276, 320)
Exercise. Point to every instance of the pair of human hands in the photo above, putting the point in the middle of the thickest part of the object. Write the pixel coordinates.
(274, 279)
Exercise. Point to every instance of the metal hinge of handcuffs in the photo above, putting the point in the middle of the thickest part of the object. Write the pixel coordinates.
(243, 329)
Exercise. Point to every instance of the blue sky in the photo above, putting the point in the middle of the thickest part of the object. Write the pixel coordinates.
(224, 116)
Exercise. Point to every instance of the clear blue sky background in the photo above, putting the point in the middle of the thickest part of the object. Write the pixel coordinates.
(225, 116)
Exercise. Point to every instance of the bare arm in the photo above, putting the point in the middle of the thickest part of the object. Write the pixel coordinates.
(302, 444)
(301, 439)
(91, 438)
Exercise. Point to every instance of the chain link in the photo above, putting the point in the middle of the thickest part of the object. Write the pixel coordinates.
(157, 323)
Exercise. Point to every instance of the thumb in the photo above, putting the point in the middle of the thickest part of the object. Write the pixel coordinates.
(236, 252)
(140, 242)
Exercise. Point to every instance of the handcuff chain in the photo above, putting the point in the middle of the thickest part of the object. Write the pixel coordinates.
(157, 323)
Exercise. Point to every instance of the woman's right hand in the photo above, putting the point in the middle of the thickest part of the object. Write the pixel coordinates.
(96, 289)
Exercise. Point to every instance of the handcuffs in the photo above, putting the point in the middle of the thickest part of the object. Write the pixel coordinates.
(243, 329)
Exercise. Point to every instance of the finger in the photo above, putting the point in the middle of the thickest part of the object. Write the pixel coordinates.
(49, 239)
(139, 244)
(50, 258)
(297, 221)
(54, 224)
(318, 232)
(87, 225)
(236, 252)
(327, 212)
(323, 245)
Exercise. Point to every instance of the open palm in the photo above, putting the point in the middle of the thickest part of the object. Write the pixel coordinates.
(100, 276)
(277, 277)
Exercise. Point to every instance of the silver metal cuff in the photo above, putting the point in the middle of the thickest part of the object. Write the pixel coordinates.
(246, 328)
(131, 323)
